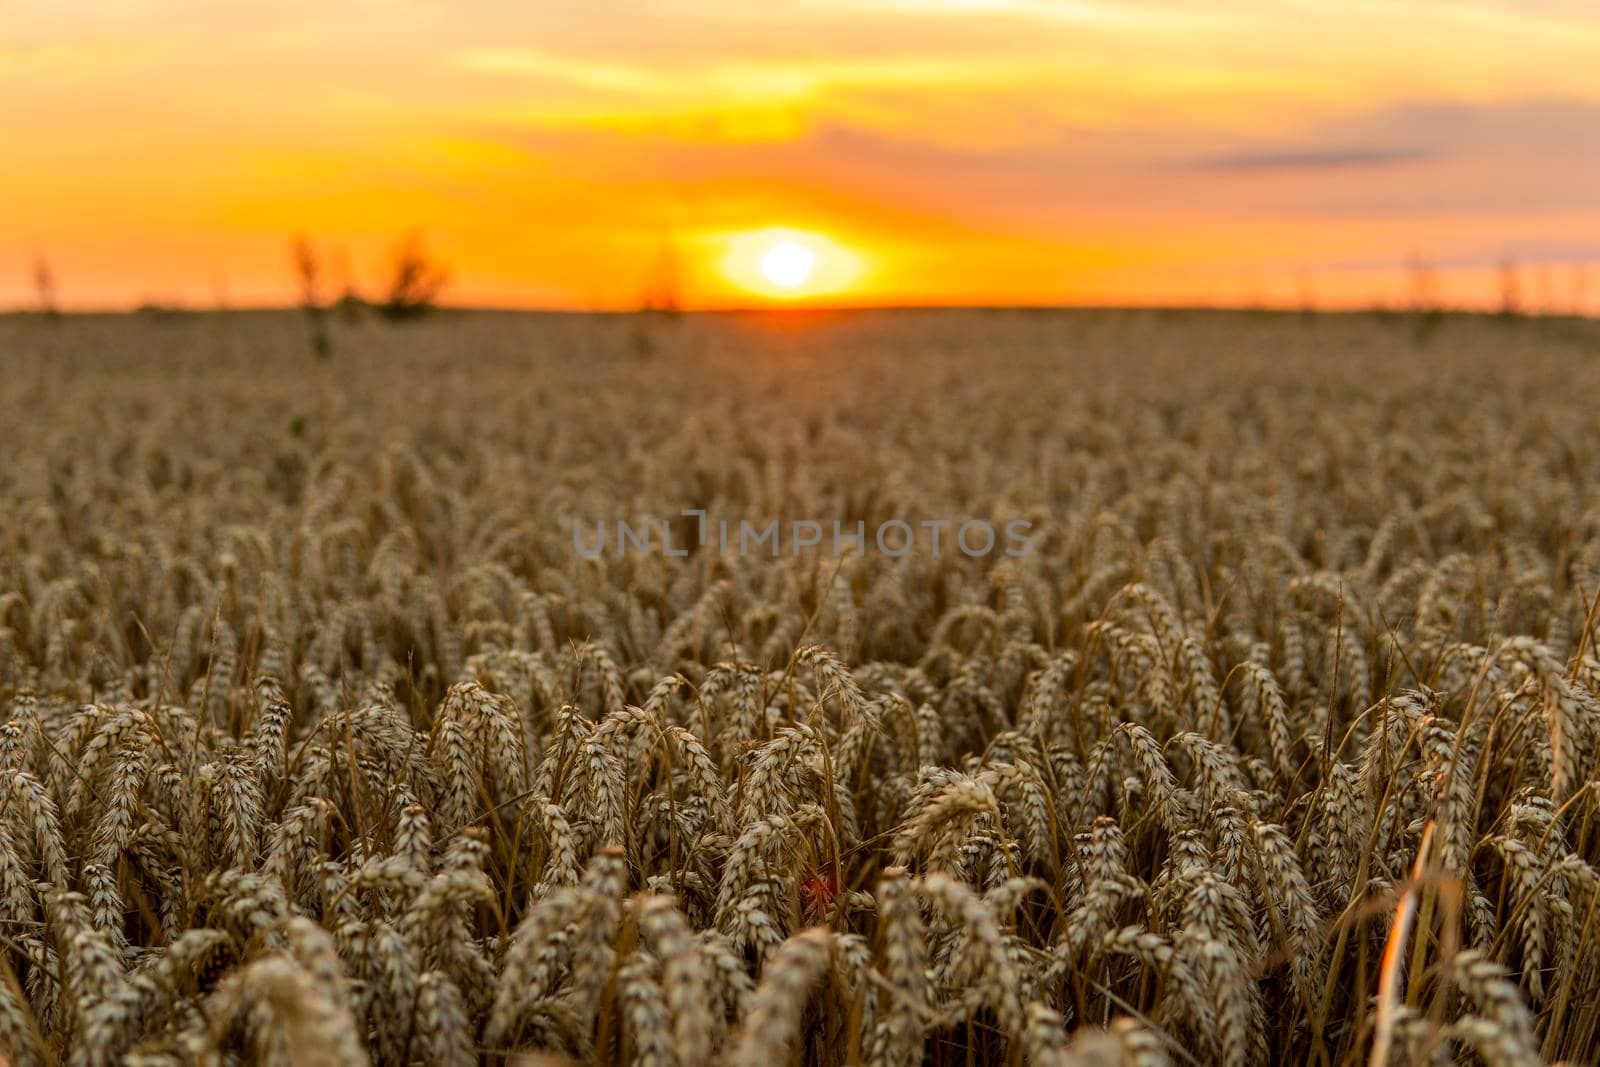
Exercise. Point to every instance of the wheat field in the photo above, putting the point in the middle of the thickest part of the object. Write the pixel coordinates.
(325, 744)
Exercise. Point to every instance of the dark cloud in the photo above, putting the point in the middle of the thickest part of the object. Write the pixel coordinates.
(1342, 158)
(1548, 132)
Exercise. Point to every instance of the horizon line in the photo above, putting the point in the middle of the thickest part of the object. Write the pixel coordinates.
(1379, 307)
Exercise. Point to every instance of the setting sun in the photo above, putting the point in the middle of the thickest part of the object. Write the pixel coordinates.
(789, 264)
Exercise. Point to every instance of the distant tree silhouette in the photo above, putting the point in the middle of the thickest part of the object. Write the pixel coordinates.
(661, 300)
(663, 292)
(1423, 283)
(44, 285)
(1427, 306)
(351, 303)
(1510, 288)
(415, 281)
(308, 269)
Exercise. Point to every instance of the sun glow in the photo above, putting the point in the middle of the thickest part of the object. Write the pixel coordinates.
(787, 264)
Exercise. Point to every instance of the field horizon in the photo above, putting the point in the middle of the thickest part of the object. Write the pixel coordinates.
(781, 310)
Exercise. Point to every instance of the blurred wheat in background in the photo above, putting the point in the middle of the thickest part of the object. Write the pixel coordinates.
(323, 746)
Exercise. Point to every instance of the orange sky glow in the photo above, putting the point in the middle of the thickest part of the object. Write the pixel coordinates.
(566, 154)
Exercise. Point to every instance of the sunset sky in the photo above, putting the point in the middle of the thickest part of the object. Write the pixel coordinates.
(922, 151)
